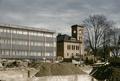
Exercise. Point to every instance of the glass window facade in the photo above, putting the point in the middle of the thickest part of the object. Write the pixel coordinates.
(26, 43)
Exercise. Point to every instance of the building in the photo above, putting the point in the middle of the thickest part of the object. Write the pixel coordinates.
(70, 47)
(20, 42)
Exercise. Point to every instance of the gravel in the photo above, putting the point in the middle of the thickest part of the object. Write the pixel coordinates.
(54, 69)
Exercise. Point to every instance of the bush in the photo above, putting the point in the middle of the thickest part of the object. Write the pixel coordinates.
(89, 61)
(12, 64)
(115, 61)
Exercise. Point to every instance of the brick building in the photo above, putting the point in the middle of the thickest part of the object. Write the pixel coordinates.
(70, 47)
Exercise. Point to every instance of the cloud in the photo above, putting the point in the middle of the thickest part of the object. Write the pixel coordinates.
(56, 15)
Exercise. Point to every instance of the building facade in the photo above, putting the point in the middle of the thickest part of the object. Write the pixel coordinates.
(71, 46)
(19, 42)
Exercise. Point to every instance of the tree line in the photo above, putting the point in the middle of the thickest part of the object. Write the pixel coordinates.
(102, 37)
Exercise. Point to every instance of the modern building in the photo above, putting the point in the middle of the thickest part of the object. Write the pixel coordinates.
(20, 42)
(70, 47)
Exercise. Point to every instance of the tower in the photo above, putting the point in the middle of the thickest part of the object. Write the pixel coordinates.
(78, 34)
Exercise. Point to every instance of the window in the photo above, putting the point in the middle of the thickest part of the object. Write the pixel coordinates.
(32, 43)
(32, 33)
(47, 54)
(6, 52)
(48, 35)
(22, 53)
(1, 30)
(67, 54)
(14, 31)
(40, 34)
(35, 43)
(35, 33)
(54, 36)
(77, 54)
(0, 51)
(77, 47)
(19, 53)
(13, 53)
(19, 32)
(47, 44)
(25, 53)
(54, 53)
(80, 31)
(34, 53)
(18, 42)
(4, 30)
(5, 41)
(1, 41)
(39, 53)
(3, 52)
(80, 38)
(68, 47)
(25, 32)
(73, 47)
(31, 54)
(16, 52)
(54, 44)
(8, 30)
(72, 54)
(40, 44)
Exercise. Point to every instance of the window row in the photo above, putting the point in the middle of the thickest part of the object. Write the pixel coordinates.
(73, 47)
(18, 53)
(72, 54)
(5, 30)
(24, 53)
(49, 44)
(23, 42)
(48, 35)
(25, 32)
(18, 42)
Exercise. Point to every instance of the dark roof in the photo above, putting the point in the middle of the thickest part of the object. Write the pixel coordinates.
(77, 26)
(66, 38)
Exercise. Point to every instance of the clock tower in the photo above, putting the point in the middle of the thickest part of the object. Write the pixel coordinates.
(77, 32)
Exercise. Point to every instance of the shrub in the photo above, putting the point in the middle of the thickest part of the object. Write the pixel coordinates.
(115, 61)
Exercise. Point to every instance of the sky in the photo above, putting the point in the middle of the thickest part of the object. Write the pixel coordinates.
(57, 15)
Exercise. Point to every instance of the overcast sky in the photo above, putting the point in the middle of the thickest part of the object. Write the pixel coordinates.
(56, 15)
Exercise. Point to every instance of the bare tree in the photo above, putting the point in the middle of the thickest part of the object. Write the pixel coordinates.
(115, 42)
(97, 27)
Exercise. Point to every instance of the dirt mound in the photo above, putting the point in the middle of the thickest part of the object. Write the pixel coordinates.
(49, 69)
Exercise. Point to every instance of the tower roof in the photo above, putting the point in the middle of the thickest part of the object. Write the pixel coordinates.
(77, 26)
